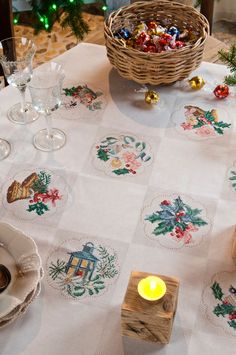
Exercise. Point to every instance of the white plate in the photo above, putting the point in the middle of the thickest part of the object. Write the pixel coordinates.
(19, 254)
(21, 309)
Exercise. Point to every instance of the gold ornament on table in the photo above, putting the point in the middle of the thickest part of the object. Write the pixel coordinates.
(151, 97)
(196, 83)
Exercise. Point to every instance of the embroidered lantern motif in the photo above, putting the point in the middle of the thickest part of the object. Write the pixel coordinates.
(82, 263)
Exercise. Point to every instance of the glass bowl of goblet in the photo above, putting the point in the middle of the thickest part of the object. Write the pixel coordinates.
(16, 56)
(45, 90)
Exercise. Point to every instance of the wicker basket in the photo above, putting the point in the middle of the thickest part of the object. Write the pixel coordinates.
(156, 68)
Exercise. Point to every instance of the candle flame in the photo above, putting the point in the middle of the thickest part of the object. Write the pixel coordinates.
(153, 285)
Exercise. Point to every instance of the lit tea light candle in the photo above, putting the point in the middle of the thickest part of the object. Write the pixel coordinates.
(152, 288)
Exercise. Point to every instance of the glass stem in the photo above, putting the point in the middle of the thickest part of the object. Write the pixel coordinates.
(23, 106)
(22, 91)
(49, 127)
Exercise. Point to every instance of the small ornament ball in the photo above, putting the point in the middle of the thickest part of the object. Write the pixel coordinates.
(221, 91)
(196, 82)
(151, 97)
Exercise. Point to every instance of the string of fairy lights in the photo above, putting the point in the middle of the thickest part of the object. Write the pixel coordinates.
(47, 12)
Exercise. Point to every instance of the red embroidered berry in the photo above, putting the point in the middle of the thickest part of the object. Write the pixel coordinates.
(232, 316)
(97, 147)
(133, 172)
(127, 165)
(225, 302)
(180, 213)
(31, 201)
(165, 202)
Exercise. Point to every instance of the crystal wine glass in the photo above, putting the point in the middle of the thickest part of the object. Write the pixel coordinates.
(16, 55)
(45, 89)
(5, 148)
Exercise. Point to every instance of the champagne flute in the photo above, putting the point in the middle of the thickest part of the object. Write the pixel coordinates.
(45, 90)
(16, 55)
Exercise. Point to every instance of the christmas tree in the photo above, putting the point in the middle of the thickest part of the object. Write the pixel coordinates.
(66, 12)
(229, 58)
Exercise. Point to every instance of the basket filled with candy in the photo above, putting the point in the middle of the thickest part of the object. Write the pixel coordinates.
(155, 42)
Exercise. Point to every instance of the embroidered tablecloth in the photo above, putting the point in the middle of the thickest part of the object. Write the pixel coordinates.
(136, 187)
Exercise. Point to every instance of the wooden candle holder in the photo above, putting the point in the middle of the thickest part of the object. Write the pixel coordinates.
(149, 320)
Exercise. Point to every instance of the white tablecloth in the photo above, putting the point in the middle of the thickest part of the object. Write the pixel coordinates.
(125, 168)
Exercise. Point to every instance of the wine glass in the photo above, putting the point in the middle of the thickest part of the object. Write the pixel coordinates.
(5, 148)
(45, 90)
(16, 55)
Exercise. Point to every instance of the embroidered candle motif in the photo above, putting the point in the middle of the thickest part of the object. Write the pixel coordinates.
(122, 155)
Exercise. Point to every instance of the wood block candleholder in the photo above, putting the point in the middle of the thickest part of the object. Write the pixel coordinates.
(149, 320)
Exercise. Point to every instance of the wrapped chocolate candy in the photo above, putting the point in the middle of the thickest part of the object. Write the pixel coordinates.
(123, 33)
(221, 91)
(151, 97)
(152, 37)
(173, 31)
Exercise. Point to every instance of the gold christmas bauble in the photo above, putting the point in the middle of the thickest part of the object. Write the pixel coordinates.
(196, 82)
(151, 97)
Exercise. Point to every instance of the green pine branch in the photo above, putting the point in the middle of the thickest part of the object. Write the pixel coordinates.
(229, 58)
(45, 13)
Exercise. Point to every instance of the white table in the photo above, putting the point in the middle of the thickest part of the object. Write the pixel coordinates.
(112, 210)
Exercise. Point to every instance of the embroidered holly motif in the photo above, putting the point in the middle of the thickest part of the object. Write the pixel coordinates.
(86, 272)
(123, 155)
(177, 220)
(203, 123)
(83, 95)
(233, 179)
(36, 190)
(227, 307)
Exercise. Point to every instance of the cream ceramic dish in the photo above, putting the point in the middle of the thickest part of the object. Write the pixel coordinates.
(19, 254)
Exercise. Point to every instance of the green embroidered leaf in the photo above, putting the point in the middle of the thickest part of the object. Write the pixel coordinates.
(121, 171)
(222, 124)
(152, 218)
(192, 211)
(223, 309)
(178, 203)
(218, 130)
(90, 291)
(128, 139)
(102, 154)
(199, 124)
(140, 146)
(99, 93)
(57, 269)
(217, 291)
(79, 291)
(209, 116)
(106, 266)
(232, 324)
(163, 228)
(41, 185)
(197, 221)
(97, 105)
(39, 207)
